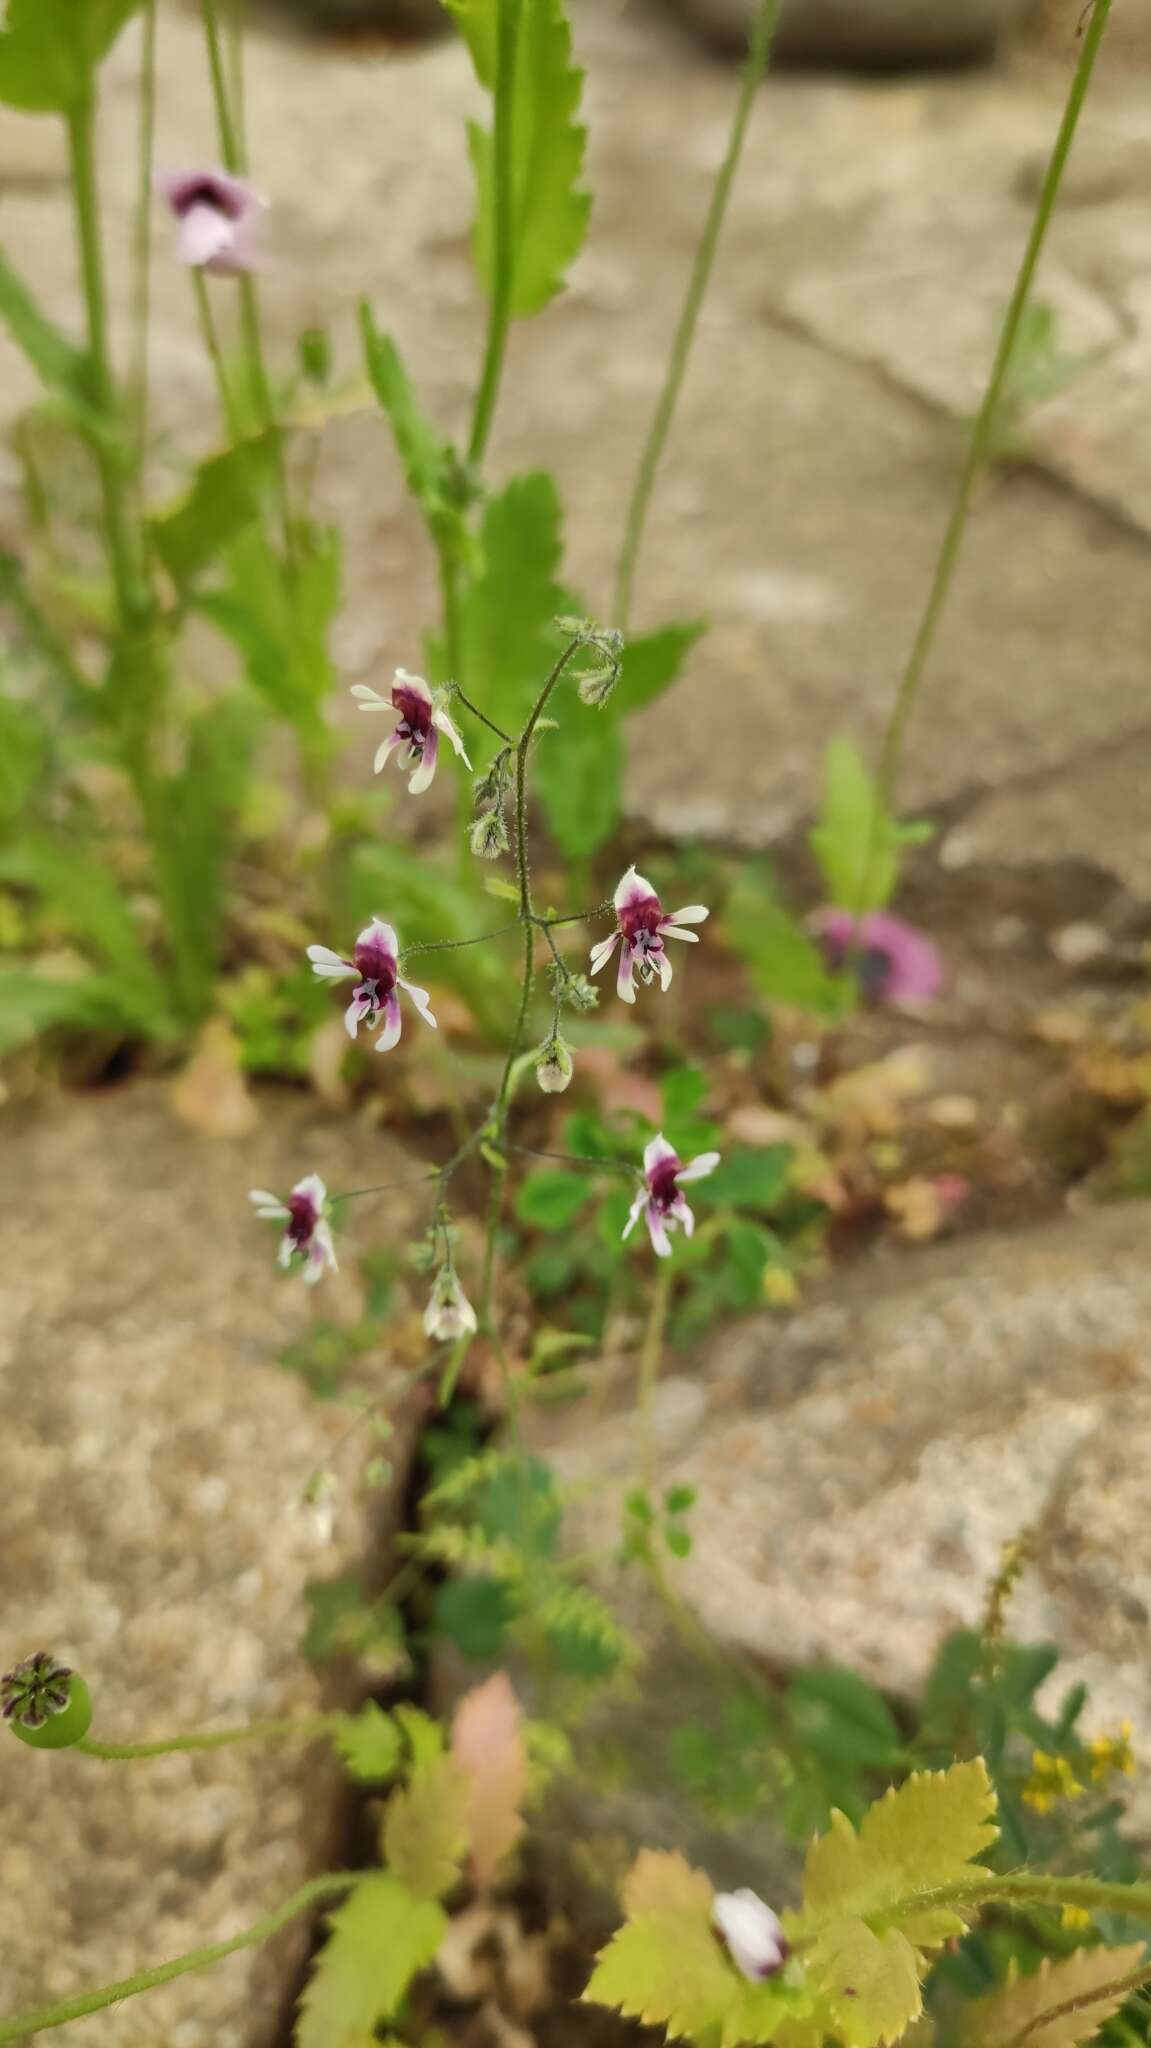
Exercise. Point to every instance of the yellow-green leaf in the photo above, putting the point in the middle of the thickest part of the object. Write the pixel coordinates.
(425, 1828)
(870, 1982)
(919, 1837)
(668, 1969)
(662, 1881)
(369, 1744)
(377, 1941)
(1019, 2008)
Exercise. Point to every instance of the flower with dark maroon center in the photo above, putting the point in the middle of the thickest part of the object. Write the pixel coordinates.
(642, 926)
(307, 1231)
(217, 214)
(35, 1689)
(659, 1201)
(374, 966)
(891, 960)
(422, 719)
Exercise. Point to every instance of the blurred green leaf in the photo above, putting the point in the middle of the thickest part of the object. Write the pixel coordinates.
(96, 910)
(369, 1744)
(550, 1201)
(857, 841)
(843, 1720)
(549, 210)
(577, 773)
(507, 632)
(222, 498)
(786, 965)
(474, 1614)
(652, 662)
(50, 48)
(54, 358)
(194, 830)
(424, 454)
(749, 1177)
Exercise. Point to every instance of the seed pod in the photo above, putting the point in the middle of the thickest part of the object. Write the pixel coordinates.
(45, 1703)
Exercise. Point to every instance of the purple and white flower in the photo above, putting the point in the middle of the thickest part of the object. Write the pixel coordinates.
(751, 1934)
(374, 966)
(659, 1201)
(449, 1314)
(894, 963)
(217, 217)
(643, 926)
(307, 1231)
(422, 720)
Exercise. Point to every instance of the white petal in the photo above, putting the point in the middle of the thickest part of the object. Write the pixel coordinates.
(370, 700)
(633, 887)
(692, 913)
(379, 934)
(352, 1017)
(322, 1236)
(393, 1024)
(672, 931)
(328, 965)
(313, 1189)
(414, 683)
(449, 731)
(661, 1242)
(664, 971)
(699, 1167)
(685, 1216)
(601, 954)
(426, 767)
(624, 984)
(635, 1212)
(284, 1255)
(380, 757)
(420, 998)
(656, 1152)
(269, 1205)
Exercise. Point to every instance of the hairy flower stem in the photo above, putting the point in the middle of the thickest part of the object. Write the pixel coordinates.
(527, 975)
(1025, 1889)
(754, 71)
(291, 1728)
(131, 597)
(651, 1354)
(980, 444)
(142, 240)
(58, 2015)
(503, 228)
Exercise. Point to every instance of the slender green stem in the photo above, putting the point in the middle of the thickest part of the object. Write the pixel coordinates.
(142, 236)
(1025, 1888)
(211, 334)
(503, 228)
(754, 70)
(483, 718)
(454, 945)
(130, 598)
(291, 1728)
(1118, 1990)
(230, 145)
(651, 1354)
(58, 2015)
(234, 33)
(980, 444)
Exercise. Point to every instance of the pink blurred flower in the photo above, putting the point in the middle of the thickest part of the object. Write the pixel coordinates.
(375, 967)
(659, 1201)
(751, 1932)
(895, 963)
(217, 216)
(643, 926)
(422, 721)
(308, 1234)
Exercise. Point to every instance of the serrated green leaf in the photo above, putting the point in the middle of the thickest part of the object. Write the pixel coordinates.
(870, 1982)
(918, 1837)
(222, 498)
(667, 1969)
(425, 1828)
(786, 964)
(549, 212)
(423, 1736)
(652, 662)
(54, 358)
(50, 48)
(98, 913)
(508, 641)
(998, 2020)
(369, 1744)
(422, 450)
(377, 1941)
(578, 777)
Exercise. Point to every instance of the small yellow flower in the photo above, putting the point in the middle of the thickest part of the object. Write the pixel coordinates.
(1112, 1753)
(1075, 1917)
(780, 1287)
(1051, 1780)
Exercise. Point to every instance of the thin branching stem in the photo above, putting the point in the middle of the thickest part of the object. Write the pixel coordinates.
(483, 717)
(1118, 1990)
(315, 1893)
(455, 945)
(289, 1728)
(754, 70)
(142, 238)
(981, 442)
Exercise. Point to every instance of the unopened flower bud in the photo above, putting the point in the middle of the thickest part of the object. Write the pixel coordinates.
(489, 835)
(751, 1933)
(449, 1313)
(490, 788)
(45, 1703)
(597, 684)
(555, 1066)
(578, 991)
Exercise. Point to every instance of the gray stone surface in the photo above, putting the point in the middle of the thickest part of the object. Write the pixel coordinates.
(866, 31)
(859, 1468)
(152, 1530)
(872, 243)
